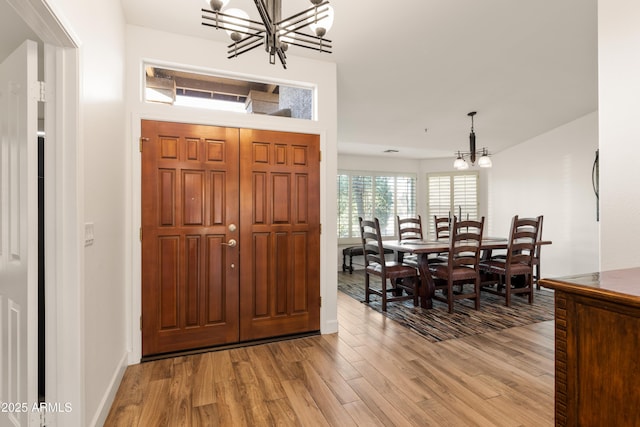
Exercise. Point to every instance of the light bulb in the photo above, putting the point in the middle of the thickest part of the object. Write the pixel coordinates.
(216, 5)
(459, 162)
(321, 26)
(236, 23)
(484, 161)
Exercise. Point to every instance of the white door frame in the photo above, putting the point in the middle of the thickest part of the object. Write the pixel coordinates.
(63, 211)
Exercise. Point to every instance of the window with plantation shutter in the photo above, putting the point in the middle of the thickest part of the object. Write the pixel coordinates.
(369, 195)
(452, 194)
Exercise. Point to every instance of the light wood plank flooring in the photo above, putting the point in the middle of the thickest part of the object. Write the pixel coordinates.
(374, 372)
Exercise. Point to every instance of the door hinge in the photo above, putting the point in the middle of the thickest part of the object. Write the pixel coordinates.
(141, 234)
(320, 156)
(320, 228)
(140, 322)
(320, 301)
(42, 92)
(142, 139)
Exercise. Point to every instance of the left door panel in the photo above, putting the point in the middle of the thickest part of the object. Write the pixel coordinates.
(189, 215)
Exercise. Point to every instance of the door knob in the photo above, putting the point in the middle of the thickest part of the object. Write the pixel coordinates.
(232, 243)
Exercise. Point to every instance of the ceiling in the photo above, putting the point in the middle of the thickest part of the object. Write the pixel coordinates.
(13, 30)
(407, 77)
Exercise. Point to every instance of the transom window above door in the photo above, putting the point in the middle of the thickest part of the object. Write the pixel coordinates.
(215, 92)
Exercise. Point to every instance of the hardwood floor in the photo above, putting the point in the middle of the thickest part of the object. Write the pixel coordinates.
(374, 372)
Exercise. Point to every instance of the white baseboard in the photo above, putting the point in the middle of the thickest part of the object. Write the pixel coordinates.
(107, 400)
(330, 327)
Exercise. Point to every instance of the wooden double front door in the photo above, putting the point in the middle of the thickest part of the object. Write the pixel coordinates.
(230, 235)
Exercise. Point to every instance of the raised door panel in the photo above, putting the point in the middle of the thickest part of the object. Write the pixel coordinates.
(600, 363)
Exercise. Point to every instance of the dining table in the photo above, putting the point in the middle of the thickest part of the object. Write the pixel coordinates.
(423, 248)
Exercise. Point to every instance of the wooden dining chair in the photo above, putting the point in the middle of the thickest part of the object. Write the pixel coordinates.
(518, 261)
(408, 229)
(441, 225)
(394, 276)
(462, 266)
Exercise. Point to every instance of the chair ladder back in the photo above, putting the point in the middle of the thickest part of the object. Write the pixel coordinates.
(442, 226)
(522, 240)
(466, 238)
(372, 242)
(409, 228)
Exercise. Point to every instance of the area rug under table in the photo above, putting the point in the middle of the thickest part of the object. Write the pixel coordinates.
(437, 324)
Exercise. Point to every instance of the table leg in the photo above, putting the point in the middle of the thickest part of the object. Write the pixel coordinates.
(427, 287)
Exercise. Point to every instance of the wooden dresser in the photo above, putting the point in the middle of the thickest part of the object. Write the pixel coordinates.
(597, 348)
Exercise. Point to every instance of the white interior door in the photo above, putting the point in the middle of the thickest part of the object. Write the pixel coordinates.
(19, 93)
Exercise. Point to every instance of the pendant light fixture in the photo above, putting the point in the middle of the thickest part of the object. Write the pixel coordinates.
(272, 32)
(461, 162)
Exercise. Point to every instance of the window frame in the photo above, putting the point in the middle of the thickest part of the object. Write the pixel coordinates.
(354, 237)
(453, 210)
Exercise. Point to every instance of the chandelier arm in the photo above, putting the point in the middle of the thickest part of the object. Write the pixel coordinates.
(319, 49)
(232, 53)
(283, 57)
(248, 36)
(258, 32)
(222, 23)
(313, 39)
(305, 24)
(289, 24)
(224, 15)
(241, 44)
(264, 14)
(306, 12)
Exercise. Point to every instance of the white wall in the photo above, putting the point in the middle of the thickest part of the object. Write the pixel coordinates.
(181, 51)
(99, 27)
(619, 89)
(550, 175)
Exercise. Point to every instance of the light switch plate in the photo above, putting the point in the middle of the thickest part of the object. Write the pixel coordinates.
(88, 234)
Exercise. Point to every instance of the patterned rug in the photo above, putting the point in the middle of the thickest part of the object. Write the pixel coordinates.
(437, 324)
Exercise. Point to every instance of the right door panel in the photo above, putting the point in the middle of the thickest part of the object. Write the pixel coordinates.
(280, 233)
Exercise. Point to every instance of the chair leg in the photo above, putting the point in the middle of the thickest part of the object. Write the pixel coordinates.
(477, 290)
(531, 288)
(384, 294)
(507, 289)
(366, 288)
(450, 295)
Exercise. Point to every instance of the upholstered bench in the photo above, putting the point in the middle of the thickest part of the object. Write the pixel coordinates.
(354, 251)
